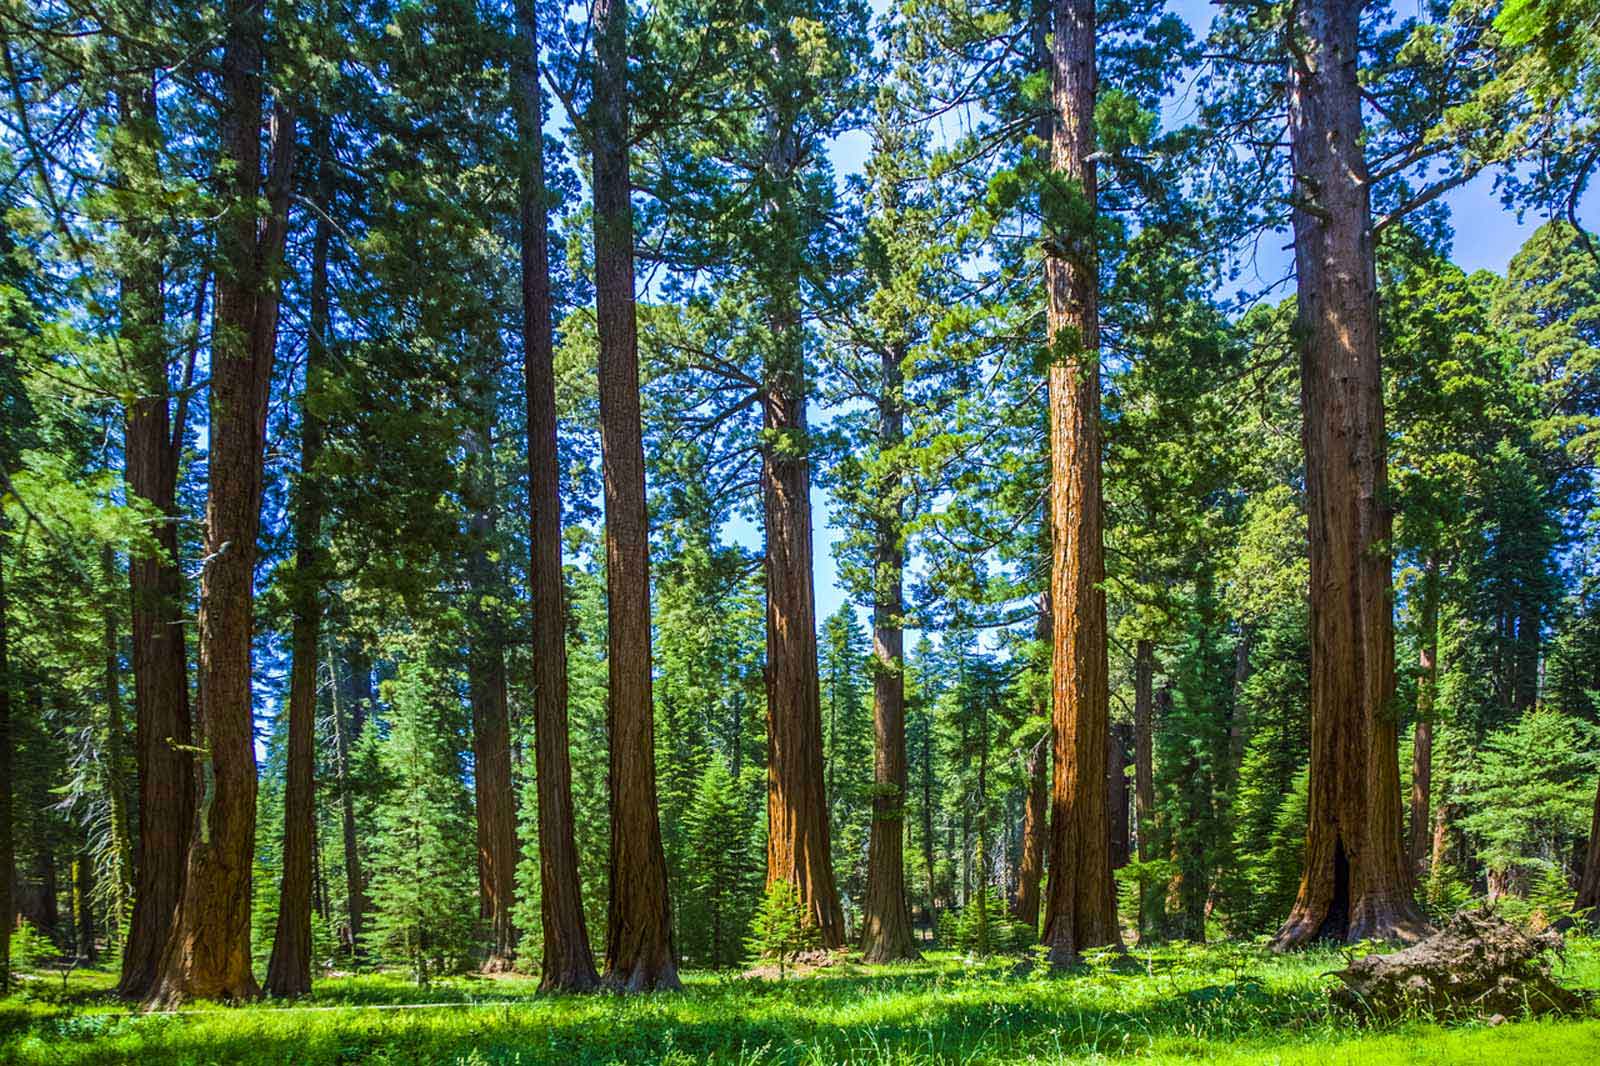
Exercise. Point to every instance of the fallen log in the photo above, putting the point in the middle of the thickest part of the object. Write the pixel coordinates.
(1479, 964)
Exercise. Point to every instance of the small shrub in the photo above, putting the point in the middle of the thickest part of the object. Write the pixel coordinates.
(781, 929)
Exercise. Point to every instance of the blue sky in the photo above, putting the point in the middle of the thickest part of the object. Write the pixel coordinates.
(1487, 235)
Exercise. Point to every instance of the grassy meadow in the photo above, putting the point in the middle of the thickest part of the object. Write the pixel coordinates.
(1222, 1005)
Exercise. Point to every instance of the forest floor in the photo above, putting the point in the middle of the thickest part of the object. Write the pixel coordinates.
(1221, 1005)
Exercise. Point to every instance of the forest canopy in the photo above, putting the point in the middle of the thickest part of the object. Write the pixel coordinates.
(609, 491)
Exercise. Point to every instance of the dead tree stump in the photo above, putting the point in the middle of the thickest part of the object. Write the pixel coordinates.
(1478, 964)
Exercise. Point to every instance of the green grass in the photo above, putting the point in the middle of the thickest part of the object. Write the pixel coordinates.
(1223, 1005)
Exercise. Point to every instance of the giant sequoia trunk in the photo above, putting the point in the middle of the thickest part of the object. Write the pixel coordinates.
(798, 846)
(160, 670)
(289, 968)
(1421, 835)
(1356, 884)
(568, 964)
(1081, 910)
(207, 954)
(885, 917)
(639, 951)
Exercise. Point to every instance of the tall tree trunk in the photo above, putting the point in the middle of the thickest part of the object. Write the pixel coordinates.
(8, 853)
(355, 885)
(640, 955)
(160, 668)
(886, 933)
(1152, 904)
(289, 967)
(798, 845)
(1117, 795)
(1357, 884)
(1422, 740)
(568, 964)
(1081, 911)
(207, 954)
(116, 768)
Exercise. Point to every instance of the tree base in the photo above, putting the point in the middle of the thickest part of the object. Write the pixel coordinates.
(1389, 921)
(643, 977)
(498, 963)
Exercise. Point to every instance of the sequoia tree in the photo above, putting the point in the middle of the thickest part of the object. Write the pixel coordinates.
(207, 954)
(568, 964)
(289, 968)
(1081, 908)
(152, 440)
(1356, 883)
(639, 949)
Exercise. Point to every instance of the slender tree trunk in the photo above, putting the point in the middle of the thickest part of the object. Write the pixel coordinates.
(495, 806)
(1422, 740)
(83, 906)
(8, 853)
(1081, 911)
(355, 885)
(207, 954)
(1117, 795)
(1152, 907)
(1035, 835)
(160, 668)
(1357, 884)
(568, 964)
(289, 967)
(1036, 806)
(1589, 881)
(927, 819)
(116, 768)
(886, 934)
(640, 955)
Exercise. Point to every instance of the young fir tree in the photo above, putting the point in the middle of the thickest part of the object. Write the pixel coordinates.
(719, 874)
(422, 887)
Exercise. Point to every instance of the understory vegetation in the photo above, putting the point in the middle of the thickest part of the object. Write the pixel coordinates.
(1224, 1004)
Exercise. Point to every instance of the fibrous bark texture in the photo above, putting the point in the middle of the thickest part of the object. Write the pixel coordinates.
(568, 964)
(885, 915)
(1357, 883)
(289, 967)
(1081, 911)
(207, 954)
(1478, 964)
(639, 951)
(160, 670)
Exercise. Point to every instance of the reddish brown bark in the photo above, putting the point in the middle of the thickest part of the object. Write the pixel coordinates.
(568, 964)
(1422, 740)
(886, 934)
(1081, 910)
(160, 669)
(1357, 883)
(207, 954)
(1035, 834)
(289, 967)
(640, 955)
